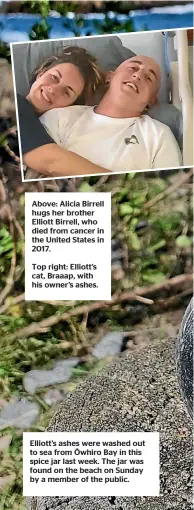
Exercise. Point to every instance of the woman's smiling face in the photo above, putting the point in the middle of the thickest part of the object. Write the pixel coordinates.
(57, 87)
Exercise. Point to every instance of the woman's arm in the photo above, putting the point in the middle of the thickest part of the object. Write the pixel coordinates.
(53, 161)
(42, 154)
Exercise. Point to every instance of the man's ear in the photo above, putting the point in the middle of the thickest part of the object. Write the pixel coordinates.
(153, 101)
(108, 78)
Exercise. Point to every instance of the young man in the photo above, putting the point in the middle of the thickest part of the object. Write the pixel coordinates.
(117, 134)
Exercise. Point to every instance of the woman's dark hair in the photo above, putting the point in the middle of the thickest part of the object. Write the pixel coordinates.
(83, 60)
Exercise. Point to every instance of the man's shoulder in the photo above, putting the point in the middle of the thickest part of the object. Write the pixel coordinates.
(155, 124)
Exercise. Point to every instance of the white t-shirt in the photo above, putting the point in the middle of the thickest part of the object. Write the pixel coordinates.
(118, 145)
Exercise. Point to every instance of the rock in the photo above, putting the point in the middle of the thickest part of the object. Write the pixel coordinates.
(141, 224)
(130, 345)
(116, 252)
(2, 402)
(185, 357)
(60, 373)
(52, 396)
(19, 413)
(115, 244)
(6, 481)
(116, 256)
(136, 392)
(109, 345)
(5, 442)
(117, 271)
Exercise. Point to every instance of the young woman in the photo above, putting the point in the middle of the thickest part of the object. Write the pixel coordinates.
(70, 77)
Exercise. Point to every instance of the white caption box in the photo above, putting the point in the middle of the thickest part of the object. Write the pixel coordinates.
(67, 246)
(91, 464)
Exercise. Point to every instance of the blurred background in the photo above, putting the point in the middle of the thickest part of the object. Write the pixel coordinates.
(25, 20)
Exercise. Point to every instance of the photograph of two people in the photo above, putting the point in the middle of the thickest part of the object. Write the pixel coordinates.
(104, 104)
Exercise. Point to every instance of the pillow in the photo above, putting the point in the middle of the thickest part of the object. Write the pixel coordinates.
(168, 114)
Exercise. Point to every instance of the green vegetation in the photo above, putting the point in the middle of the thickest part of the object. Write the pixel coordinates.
(154, 245)
(152, 225)
(156, 241)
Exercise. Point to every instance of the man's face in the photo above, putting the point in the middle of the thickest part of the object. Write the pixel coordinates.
(136, 79)
(58, 87)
